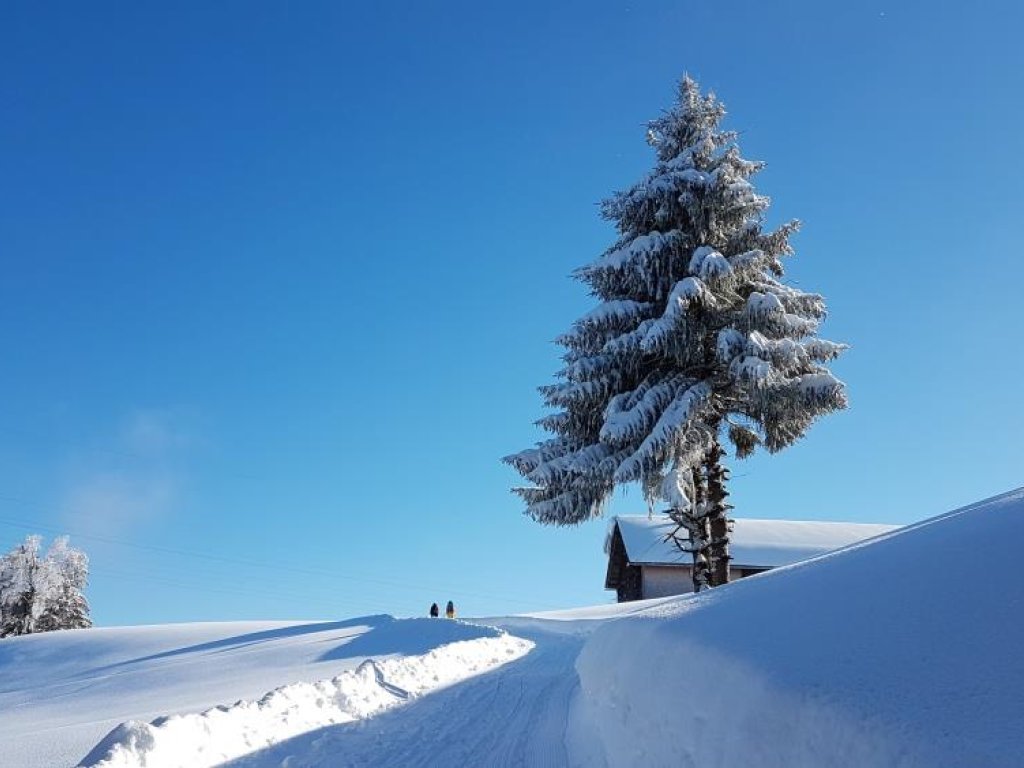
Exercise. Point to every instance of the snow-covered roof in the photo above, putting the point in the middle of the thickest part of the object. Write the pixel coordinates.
(754, 543)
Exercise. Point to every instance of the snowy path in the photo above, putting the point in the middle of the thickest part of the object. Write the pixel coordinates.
(517, 715)
(802, 667)
(63, 694)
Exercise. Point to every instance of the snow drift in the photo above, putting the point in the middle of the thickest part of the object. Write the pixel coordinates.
(223, 733)
(901, 651)
(904, 650)
(61, 692)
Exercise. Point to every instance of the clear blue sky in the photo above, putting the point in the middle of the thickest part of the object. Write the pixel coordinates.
(280, 279)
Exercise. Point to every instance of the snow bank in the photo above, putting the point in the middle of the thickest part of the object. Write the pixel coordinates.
(227, 732)
(893, 652)
(590, 613)
(903, 651)
(62, 692)
(669, 701)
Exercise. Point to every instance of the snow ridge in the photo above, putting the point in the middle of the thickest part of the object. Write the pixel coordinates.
(227, 732)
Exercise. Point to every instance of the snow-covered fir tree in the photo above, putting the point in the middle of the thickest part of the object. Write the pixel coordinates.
(21, 580)
(40, 594)
(65, 605)
(696, 343)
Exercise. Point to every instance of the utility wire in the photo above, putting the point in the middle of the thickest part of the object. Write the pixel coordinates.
(406, 586)
(119, 453)
(230, 590)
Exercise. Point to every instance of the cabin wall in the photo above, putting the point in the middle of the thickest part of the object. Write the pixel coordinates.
(624, 578)
(630, 587)
(735, 574)
(665, 580)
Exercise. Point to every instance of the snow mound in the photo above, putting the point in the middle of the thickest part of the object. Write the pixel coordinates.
(903, 651)
(62, 692)
(227, 732)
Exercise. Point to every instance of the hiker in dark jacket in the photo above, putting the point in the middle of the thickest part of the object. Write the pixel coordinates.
(450, 610)
(434, 610)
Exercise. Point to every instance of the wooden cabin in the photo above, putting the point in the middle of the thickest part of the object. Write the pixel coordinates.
(644, 561)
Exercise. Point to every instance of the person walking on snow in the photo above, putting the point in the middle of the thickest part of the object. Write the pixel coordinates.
(434, 610)
(450, 610)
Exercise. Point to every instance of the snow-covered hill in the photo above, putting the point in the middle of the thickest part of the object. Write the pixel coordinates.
(62, 692)
(901, 651)
(906, 650)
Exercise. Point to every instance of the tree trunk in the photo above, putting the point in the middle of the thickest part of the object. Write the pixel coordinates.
(691, 519)
(694, 522)
(700, 536)
(717, 516)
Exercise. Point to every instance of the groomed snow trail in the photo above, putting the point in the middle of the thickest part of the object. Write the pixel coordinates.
(229, 732)
(517, 715)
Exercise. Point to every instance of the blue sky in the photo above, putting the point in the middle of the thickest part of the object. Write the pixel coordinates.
(280, 280)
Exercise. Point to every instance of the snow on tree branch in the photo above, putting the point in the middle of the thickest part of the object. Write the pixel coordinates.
(695, 340)
(41, 594)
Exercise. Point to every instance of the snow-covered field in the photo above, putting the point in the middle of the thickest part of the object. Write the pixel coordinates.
(906, 650)
(61, 693)
(901, 651)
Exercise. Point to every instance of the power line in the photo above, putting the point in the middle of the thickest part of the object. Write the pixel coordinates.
(230, 590)
(406, 586)
(119, 453)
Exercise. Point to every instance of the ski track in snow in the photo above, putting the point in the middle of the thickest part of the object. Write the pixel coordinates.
(923, 674)
(220, 735)
(517, 715)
